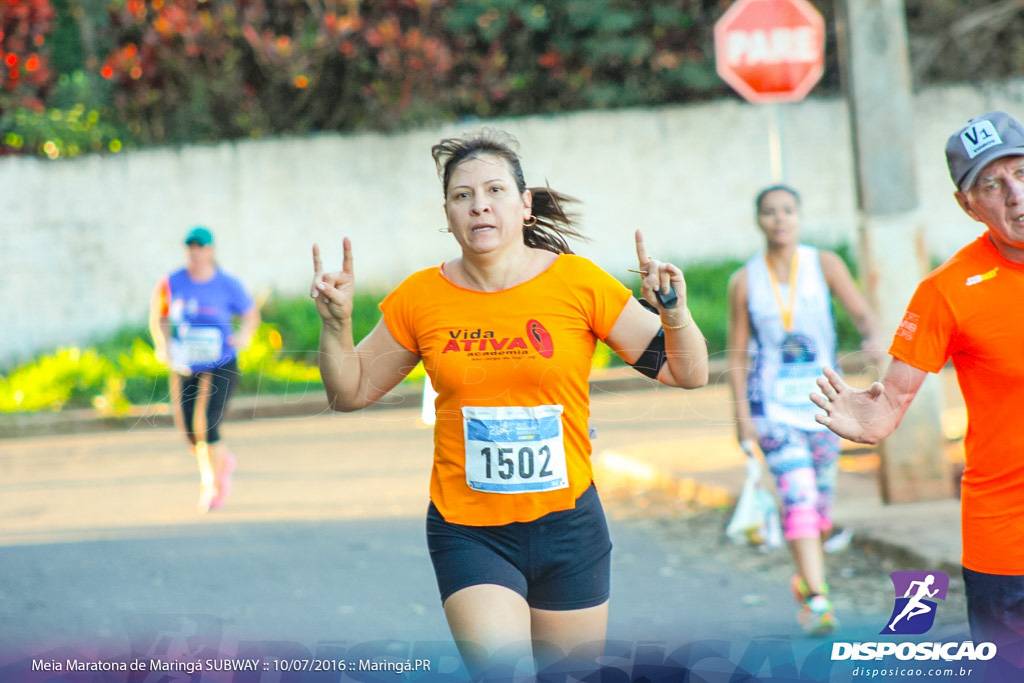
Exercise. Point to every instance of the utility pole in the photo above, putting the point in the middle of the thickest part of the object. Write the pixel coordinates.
(876, 73)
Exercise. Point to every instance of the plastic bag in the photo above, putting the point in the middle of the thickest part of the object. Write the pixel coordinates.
(756, 517)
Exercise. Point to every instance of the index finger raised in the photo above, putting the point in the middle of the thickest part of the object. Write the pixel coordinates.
(641, 250)
(346, 260)
(318, 265)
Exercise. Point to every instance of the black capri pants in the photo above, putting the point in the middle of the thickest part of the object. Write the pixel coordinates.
(561, 561)
(222, 383)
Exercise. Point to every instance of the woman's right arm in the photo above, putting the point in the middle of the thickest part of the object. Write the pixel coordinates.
(159, 325)
(738, 334)
(353, 376)
(357, 376)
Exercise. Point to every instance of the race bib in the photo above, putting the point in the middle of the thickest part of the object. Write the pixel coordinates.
(795, 383)
(198, 346)
(514, 450)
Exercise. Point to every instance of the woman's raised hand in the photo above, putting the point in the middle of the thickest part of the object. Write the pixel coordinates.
(334, 292)
(657, 276)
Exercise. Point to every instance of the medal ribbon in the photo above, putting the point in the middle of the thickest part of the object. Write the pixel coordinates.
(785, 311)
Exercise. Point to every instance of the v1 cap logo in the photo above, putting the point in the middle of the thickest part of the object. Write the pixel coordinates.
(914, 610)
(979, 137)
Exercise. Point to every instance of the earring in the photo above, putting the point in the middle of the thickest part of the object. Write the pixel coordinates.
(530, 222)
(444, 229)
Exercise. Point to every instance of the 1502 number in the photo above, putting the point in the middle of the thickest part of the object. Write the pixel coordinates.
(525, 465)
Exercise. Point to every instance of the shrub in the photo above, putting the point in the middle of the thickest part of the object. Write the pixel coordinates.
(122, 370)
(145, 378)
(707, 287)
(264, 370)
(299, 324)
(65, 379)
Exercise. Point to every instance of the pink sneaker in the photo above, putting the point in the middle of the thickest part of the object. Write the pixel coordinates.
(223, 480)
(206, 496)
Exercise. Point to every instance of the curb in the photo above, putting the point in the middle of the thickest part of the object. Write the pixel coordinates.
(903, 555)
(256, 407)
(248, 407)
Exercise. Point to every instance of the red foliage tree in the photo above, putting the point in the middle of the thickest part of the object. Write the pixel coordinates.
(194, 70)
(213, 69)
(25, 75)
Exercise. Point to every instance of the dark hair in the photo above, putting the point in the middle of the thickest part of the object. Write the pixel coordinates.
(774, 188)
(554, 223)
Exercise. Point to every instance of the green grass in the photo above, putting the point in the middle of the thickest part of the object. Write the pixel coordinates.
(298, 323)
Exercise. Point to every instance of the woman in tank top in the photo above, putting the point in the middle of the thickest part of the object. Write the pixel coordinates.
(781, 333)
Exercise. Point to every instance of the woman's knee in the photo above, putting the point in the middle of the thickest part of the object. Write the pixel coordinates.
(802, 521)
(577, 634)
(491, 627)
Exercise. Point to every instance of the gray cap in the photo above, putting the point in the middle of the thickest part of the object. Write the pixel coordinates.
(984, 139)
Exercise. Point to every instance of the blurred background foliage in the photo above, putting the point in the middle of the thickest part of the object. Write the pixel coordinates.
(121, 370)
(83, 76)
(100, 76)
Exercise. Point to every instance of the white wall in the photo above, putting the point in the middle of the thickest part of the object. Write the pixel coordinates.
(84, 240)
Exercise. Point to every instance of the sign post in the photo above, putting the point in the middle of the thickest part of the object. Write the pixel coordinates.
(771, 51)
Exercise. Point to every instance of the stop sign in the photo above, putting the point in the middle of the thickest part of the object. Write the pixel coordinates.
(770, 50)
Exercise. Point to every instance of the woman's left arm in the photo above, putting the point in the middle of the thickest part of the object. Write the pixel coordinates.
(841, 284)
(686, 353)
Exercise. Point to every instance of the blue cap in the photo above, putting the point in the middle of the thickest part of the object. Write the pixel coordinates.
(199, 235)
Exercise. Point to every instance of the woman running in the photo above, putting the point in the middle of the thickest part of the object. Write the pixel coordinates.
(506, 330)
(192, 321)
(780, 334)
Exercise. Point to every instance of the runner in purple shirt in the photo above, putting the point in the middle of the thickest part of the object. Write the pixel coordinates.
(192, 320)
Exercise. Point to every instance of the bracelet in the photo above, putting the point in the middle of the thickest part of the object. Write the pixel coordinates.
(689, 319)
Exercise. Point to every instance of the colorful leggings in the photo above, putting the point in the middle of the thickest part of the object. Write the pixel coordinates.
(804, 464)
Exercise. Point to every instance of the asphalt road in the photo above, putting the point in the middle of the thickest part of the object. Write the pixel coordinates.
(321, 551)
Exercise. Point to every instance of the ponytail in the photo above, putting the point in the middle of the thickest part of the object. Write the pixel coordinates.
(554, 224)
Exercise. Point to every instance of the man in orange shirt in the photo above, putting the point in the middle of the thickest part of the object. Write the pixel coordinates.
(963, 311)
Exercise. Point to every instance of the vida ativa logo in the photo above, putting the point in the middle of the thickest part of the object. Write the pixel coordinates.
(916, 593)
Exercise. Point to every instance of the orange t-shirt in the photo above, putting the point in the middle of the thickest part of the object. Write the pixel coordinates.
(511, 371)
(964, 310)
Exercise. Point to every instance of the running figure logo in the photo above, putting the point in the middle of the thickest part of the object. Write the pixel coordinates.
(914, 612)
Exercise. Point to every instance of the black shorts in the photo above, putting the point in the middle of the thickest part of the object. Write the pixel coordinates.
(561, 561)
(222, 384)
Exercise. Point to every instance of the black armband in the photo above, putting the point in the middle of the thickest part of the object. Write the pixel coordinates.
(650, 361)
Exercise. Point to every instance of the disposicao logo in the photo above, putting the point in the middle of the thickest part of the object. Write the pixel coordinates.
(913, 614)
(916, 592)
